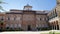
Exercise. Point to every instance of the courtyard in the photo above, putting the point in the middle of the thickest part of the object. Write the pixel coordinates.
(32, 32)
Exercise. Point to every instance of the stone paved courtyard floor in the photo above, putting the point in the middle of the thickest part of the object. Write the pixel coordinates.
(32, 32)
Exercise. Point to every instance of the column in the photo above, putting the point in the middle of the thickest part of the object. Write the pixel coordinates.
(57, 25)
(54, 25)
(51, 25)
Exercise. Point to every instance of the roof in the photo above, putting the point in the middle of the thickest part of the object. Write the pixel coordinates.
(21, 11)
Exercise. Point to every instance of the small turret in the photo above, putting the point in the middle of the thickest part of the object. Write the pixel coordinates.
(58, 2)
(27, 7)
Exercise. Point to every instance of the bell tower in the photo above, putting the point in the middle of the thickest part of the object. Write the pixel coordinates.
(58, 11)
(27, 7)
(58, 2)
(58, 5)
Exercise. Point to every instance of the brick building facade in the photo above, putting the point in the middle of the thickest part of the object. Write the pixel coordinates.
(26, 19)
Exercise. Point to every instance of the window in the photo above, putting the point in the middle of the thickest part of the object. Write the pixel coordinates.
(8, 18)
(11, 25)
(58, 2)
(36, 25)
(18, 18)
(14, 18)
(43, 18)
(1, 18)
(19, 25)
(1, 23)
(7, 25)
(15, 25)
(40, 18)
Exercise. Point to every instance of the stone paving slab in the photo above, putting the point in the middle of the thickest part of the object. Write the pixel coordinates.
(30, 32)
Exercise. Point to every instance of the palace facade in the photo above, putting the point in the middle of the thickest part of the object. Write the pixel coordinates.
(28, 19)
(54, 17)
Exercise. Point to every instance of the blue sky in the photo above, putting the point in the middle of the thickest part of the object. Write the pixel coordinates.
(36, 4)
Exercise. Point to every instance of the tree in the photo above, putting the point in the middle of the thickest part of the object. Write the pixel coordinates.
(1, 2)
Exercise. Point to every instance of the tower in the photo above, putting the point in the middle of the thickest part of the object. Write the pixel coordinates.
(58, 2)
(58, 5)
(58, 11)
(27, 7)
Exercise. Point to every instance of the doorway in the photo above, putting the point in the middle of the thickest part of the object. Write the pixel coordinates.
(29, 28)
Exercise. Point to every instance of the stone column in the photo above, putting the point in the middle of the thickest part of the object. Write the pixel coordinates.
(51, 25)
(59, 27)
(56, 27)
(56, 24)
(59, 24)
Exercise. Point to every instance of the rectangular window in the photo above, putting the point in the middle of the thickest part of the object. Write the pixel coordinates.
(8, 18)
(7, 25)
(36, 25)
(11, 18)
(11, 25)
(18, 18)
(15, 25)
(40, 18)
(1, 23)
(2, 18)
(43, 19)
(19, 25)
(14, 18)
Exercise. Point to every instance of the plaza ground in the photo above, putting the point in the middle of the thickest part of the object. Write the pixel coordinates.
(32, 32)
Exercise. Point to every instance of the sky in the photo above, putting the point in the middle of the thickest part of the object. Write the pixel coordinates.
(36, 4)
